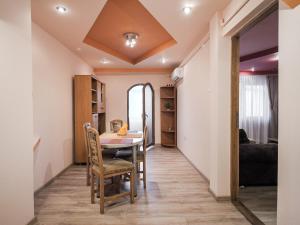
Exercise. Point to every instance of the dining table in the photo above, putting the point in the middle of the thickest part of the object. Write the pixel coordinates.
(133, 140)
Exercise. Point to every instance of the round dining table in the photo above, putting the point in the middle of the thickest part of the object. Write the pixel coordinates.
(133, 139)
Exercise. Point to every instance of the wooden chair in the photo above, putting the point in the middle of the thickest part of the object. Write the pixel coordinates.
(88, 163)
(115, 125)
(106, 169)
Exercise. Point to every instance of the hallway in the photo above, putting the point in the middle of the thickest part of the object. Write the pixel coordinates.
(176, 194)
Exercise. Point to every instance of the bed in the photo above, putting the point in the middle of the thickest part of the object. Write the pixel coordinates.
(258, 162)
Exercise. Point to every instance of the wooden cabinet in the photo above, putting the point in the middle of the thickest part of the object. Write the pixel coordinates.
(89, 106)
(168, 116)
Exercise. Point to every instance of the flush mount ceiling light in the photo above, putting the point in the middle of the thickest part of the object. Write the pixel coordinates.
(61, 9)
(163, 60)
(130, 39)
(187, 10)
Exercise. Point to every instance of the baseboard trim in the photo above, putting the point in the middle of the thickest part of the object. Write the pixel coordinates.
(32, 221)
(51, 180)
(219, 198)
(202, 175)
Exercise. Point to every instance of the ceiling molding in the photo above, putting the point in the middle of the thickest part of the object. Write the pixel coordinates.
(118, 17)
(195, 50)
(292, 3)
(110, 71)
(156, 50)
(259, 54)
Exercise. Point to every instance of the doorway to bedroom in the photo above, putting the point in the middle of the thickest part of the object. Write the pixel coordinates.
(255, 136)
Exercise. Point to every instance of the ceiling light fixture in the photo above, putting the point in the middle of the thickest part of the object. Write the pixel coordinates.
(61, 9)
(131, 39)
(163, 60)
(253, 69)
(187, 10)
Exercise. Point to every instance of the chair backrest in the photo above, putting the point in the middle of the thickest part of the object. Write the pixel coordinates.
(95, 148)
(115, 125)
(85, 127)
(145, 139)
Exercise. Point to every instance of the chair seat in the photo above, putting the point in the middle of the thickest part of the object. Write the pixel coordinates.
(113, 166)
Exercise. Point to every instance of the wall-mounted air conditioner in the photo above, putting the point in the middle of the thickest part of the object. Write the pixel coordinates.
(177, 74)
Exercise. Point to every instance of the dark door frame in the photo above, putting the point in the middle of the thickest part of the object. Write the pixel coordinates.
(144, 113)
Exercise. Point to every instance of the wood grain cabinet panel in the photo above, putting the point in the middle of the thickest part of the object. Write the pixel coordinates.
(86, 109)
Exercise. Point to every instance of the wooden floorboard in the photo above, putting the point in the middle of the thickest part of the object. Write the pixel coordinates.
(176, 194)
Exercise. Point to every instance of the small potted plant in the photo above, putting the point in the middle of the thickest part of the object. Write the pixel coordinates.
(168, 105)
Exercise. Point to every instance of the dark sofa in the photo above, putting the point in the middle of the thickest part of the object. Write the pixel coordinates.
(258, 162)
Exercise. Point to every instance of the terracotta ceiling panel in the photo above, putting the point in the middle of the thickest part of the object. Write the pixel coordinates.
(118, 17)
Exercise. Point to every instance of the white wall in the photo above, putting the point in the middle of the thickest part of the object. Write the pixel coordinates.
(116, 95)
(53, 68)
(193, 111)
(220, 83)
(289, 120)
(16, 131)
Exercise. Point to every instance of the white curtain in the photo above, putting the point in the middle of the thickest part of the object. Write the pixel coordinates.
(254, 107)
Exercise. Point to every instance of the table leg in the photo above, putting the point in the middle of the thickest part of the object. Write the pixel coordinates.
(134, 156)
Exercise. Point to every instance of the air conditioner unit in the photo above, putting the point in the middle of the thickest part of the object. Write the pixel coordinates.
(177, 74)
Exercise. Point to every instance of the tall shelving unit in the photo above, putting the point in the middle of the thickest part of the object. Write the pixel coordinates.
(89, 106)
(168, 117)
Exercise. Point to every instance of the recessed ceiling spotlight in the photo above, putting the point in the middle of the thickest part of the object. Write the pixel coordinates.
(78, 49)
(131, 39)
(104, 61)
(163, 60)
(61, 9)
(253, 69)
(187, 10)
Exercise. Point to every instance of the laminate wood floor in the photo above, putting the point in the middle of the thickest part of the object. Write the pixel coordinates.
(176, 195)
(262, 202)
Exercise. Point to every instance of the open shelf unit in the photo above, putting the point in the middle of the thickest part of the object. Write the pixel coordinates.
(89, 106)
(168, 111)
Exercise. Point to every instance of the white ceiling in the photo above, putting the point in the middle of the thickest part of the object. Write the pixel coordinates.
(71, 28)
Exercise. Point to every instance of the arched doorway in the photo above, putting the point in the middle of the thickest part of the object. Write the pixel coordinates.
(140, 109)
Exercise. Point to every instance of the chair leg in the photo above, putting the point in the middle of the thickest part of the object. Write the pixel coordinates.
(132, 176)
(88, 173)
(101, 189)
(92, 189)
(144, 174)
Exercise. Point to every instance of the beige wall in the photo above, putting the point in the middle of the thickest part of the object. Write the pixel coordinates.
(289, 120)
(116, 95)
(193, 111)
(53, 68)
(16, 131)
